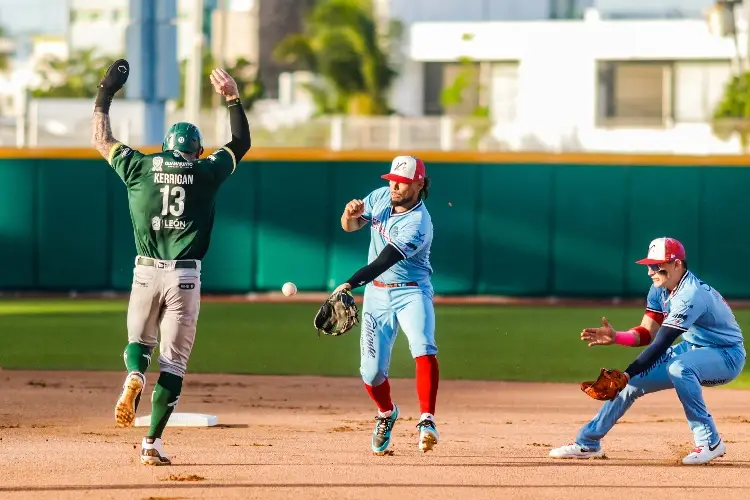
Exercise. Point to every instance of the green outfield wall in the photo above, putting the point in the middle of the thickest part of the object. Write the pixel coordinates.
(527, 225)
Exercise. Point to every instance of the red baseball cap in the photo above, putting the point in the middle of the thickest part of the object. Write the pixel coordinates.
(663, 250)
(406, 169)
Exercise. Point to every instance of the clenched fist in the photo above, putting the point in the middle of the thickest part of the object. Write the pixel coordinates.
(354, 209)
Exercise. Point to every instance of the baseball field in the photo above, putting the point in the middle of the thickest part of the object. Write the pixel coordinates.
(295, 422)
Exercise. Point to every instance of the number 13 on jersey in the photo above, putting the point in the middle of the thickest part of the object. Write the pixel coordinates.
(177, 193)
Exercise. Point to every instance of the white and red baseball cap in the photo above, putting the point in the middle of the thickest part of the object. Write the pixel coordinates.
(663, 250)
(406, 169)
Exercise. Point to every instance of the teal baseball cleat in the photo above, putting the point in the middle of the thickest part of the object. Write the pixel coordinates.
(428, 435)
(381, 436)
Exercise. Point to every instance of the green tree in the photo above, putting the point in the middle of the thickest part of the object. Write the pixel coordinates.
(341, 44)
(76, 76)
(248, 82)
(732, 113)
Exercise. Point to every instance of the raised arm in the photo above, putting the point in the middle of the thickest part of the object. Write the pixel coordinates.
(101, 134)
(225, 85)
(101, 129)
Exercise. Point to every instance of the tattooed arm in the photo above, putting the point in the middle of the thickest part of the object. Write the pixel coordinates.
(101, 134)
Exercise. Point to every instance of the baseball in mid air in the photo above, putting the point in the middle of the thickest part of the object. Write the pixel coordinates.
(289, 289)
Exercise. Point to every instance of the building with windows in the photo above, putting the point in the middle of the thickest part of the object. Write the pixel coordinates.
(591, 83)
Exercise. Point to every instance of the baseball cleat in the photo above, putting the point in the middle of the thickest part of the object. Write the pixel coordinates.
(381, 436)
(428, 435)
(705, 453)
(152, 452)
(129, 399)
(575, 450)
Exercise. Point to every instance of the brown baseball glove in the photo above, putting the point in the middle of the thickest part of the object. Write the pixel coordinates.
(337, 315)
(607, 386)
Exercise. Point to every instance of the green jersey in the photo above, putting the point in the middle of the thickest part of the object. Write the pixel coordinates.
(171, 199)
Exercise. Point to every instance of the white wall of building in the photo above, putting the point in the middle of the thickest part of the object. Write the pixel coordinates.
(591, 39)
(411, 11)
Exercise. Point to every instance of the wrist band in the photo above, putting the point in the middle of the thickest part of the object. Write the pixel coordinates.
(233, 102)
(625, 338)
(103, 101)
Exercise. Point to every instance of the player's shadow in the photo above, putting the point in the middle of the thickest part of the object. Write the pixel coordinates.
(229, 426)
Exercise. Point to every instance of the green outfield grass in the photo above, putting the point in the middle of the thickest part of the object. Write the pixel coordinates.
(475, 342)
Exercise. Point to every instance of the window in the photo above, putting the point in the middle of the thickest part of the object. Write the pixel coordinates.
(433, 85)
(458, 82)
(461, 88)
(634, 93)
(698, 87)
(504, 92)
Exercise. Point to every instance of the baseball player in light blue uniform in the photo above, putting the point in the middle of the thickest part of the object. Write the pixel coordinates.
(398, 292)
(711, 353)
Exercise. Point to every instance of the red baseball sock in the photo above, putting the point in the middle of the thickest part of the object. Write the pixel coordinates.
(427, 377)
(381, 394)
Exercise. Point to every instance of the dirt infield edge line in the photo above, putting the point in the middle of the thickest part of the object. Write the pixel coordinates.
(318, 297)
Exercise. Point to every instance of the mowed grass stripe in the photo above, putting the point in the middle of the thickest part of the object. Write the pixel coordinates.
(537, 344)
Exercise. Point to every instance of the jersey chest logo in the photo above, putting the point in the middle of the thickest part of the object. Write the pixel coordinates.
(157, 164)
(379, 226)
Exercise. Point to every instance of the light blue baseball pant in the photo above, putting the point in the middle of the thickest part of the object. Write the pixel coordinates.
(383, 311)
(685, 368)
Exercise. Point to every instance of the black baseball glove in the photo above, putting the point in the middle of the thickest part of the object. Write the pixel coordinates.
(115, 77)
(337, 315)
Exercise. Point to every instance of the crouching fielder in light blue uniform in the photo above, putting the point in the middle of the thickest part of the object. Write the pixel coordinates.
(398, 292)
(711, 353)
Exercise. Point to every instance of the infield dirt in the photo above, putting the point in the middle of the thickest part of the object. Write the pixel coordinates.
(308, 437)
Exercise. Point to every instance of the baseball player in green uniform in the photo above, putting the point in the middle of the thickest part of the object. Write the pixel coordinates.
(171, 195)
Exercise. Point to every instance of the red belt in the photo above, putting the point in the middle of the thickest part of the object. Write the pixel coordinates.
(394, 285)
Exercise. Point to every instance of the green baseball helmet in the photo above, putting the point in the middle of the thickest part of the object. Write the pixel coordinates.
(183, 136)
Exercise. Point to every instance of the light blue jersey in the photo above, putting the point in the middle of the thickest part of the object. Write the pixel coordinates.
(711, 353)
(698, 310)
(410, 232)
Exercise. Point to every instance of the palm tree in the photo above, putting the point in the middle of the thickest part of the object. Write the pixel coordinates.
(340, 44)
